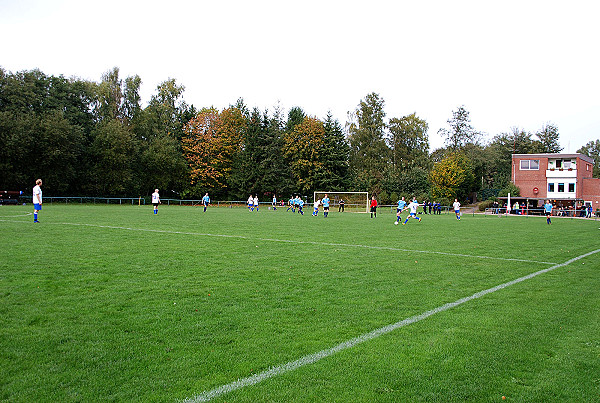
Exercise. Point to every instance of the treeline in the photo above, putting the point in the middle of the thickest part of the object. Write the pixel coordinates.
(96, 139)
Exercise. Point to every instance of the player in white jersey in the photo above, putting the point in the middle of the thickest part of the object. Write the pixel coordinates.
(412, 206)
(256, 202)
(250, 203)
(37, 200)
(155, 200)
(456, 206)
(316, 207)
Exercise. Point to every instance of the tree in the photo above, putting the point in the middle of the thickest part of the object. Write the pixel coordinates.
(48, 120)
(210, 143)
(274, 174)
(409, 141)
(302, 147)
(592, 149)
(110, 95)
(369, 153)
(461, 132)
(548, 139)
(295, 117)
(452, 177)
(114, 152)
(334, 155)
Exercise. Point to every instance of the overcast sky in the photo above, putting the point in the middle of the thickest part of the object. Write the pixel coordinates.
(511, 63)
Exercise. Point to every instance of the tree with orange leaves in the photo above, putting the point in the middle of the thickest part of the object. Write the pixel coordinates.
(210, 142)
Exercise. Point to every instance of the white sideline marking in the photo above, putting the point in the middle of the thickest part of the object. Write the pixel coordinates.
(299, 242)
(312, 358)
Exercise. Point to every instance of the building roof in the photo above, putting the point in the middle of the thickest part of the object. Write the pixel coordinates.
(556, 155)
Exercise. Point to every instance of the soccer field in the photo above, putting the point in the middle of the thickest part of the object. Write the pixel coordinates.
(114, 303)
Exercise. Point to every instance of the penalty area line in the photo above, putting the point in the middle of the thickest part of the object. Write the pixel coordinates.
(313, 358)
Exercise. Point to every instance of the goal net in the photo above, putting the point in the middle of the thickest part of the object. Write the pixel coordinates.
(354, 202)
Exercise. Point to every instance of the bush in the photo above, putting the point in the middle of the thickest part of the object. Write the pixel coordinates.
(512, 189)
(485, 204)
(383, 198)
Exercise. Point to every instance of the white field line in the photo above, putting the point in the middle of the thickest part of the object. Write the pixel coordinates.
(16, 215)
(299, 242)
(312, 358)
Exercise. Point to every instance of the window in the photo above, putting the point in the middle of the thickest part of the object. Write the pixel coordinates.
(588, 167)
(561, 187)
(558, 164)
(567, 164)
(530, 165)
(571, 187)
(551, 187)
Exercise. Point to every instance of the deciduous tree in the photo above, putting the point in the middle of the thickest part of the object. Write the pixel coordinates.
(452, 177)
(369, 153)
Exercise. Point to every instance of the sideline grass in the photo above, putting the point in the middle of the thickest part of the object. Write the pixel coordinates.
(93, 313)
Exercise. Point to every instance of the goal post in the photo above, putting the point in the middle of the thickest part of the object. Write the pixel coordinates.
(354, 202)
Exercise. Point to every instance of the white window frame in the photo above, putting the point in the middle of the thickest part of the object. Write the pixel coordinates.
(529, 168)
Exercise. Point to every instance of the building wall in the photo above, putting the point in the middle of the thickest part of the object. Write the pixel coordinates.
(591, 191)
(528, 180)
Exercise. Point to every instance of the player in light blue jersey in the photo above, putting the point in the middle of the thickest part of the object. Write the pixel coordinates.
(205, 201)
(548, 212)
(300, 205)
(325, 203)
(400, 209)
(274, 202)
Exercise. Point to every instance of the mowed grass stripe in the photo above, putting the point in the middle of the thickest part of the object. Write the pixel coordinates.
(300, 242)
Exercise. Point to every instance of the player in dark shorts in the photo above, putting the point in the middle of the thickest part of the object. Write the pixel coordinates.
(373, 207)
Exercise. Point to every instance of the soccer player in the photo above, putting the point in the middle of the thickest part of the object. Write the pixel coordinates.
(325, 202)
(205, 201)
(316, 207)
(341, 206)
(456, 206)
(400, 209)
(250, 203)
(548, 212)
(274, 202)
(414, 204)
(155, 200)
(297, 203)
(300, 205)
(373, 207)
(37, 199)
(256, 202)
(401, 205)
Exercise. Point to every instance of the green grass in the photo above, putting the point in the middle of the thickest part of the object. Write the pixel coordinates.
(113, 312)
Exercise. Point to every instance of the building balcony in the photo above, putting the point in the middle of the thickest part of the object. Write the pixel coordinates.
(557, 173)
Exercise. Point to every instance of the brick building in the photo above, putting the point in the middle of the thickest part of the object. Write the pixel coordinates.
(565, 179)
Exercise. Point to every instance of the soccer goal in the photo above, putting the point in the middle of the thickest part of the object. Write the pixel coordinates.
(353, 202)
